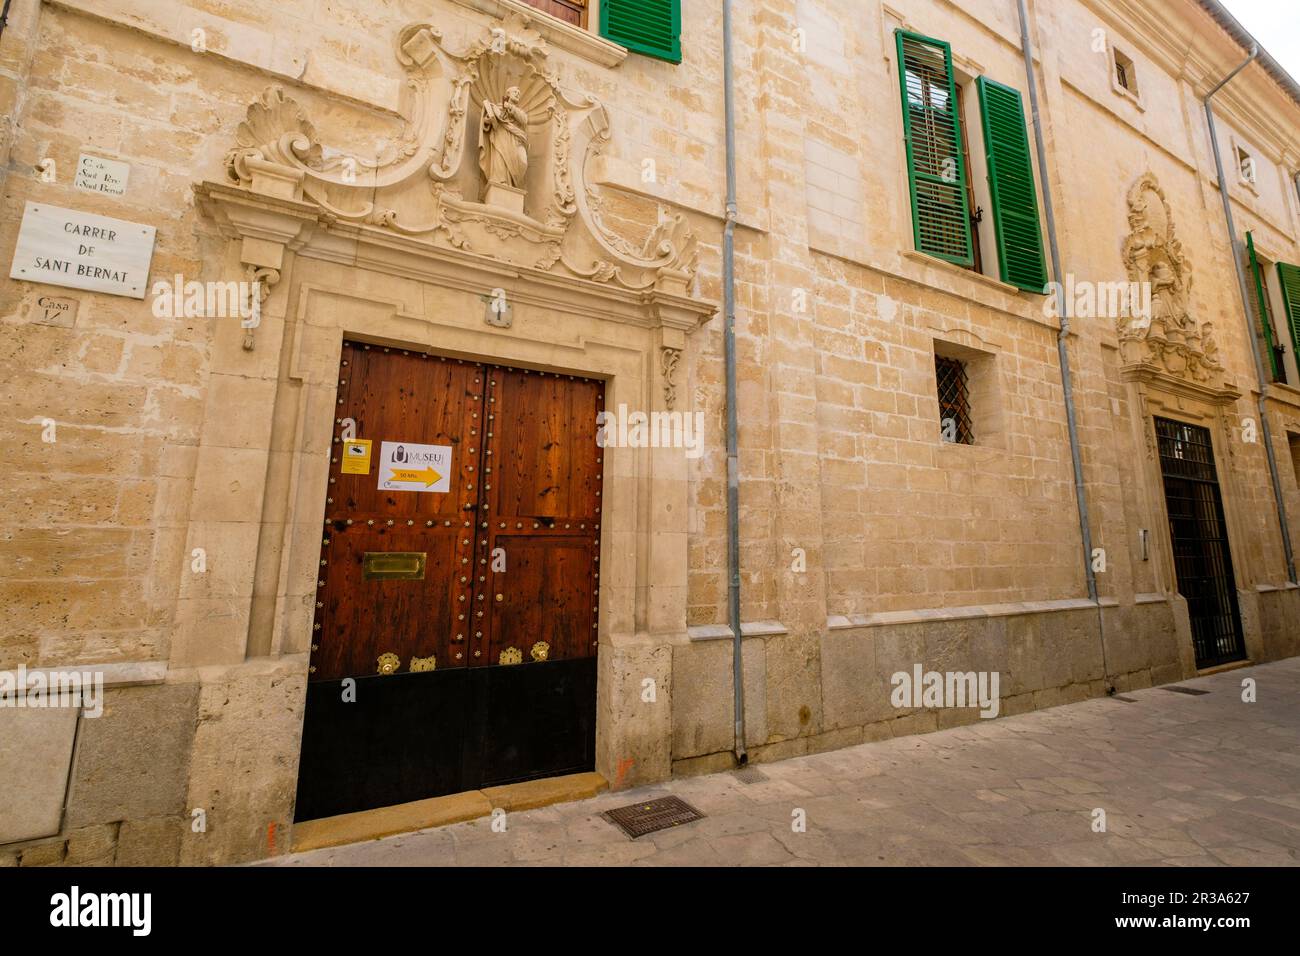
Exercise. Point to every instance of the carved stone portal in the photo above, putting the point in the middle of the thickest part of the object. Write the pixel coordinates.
(526, 201)
(1168, 338)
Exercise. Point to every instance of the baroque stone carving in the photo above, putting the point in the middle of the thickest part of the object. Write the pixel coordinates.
(1166, 335)
(526, 201)
(669, 359)
(259, 281)
(275, 129)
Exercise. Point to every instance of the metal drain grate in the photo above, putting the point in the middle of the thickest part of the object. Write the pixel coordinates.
(1175, 689)
(750, 775)
(653, 815)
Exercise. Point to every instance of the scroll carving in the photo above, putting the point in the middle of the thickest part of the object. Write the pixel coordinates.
(491, 158)
(668, 363)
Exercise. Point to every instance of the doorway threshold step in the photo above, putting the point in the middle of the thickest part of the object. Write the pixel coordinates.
(442, 811)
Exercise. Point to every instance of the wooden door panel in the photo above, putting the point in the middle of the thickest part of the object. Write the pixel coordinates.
(546, 594)
(541, 518)
(545, 459)
(367, 617)
(413, 399)
(410, 398)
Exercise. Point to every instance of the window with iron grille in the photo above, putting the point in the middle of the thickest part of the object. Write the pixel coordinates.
(954, 401)
(1125, 73)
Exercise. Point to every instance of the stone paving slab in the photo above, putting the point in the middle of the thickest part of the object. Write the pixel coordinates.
(1184, 781)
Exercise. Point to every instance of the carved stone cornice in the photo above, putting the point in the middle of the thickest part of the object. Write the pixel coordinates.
(243, 214)
(584, 43)
(1156, 378)
(1182, 39)
(264, 223)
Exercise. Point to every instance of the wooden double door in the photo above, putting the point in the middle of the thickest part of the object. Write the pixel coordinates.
(455, 630)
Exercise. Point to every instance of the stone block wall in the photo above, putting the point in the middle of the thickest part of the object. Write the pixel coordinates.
(170, 437)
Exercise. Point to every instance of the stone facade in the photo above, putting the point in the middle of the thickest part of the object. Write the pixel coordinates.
(317, 150)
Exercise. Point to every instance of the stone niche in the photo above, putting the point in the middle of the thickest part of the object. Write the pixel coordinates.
(1163, 335)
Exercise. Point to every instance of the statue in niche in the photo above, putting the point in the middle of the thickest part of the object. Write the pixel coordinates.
(1210, 346)
(1169, 337)
(503, 142)
(1165, 311)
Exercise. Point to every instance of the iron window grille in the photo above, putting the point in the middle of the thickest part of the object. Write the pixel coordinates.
(1125, 73)
(954, 401)
(1199, 533)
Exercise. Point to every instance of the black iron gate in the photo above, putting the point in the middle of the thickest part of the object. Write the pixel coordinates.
(1202, 559)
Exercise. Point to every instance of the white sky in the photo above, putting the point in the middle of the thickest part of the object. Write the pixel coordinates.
(1275, 24)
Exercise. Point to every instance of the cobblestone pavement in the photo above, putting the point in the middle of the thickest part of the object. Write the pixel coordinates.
(1184, 780)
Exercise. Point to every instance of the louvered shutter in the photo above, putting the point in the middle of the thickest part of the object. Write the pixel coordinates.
(1011, 187)
(932, 133)
(1289, 276)
(1261, 304)
(652, 27)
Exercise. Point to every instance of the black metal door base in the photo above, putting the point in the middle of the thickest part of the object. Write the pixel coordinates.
(413, 736)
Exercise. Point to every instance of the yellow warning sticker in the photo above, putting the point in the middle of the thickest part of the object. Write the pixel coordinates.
(356, 456)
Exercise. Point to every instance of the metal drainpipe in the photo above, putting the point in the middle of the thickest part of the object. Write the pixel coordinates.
(1235, 246)
(4, 18)
(729, 340)
(1067, 385)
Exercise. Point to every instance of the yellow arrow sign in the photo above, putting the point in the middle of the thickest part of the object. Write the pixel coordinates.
(428, 476)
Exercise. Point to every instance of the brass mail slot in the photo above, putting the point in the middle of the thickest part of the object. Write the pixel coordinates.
(393, 566)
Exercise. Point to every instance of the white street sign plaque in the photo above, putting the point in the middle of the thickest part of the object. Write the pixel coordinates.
(83, 251)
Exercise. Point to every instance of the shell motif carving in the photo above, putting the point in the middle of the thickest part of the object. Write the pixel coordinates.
(275, 129)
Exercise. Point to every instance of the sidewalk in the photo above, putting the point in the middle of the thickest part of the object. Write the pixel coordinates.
(1183, 780)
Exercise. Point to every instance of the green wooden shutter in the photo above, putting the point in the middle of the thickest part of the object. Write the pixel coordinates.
(1262, 306)
(652, 27)
(932, 133)
(1011, 186)
(1289, 277)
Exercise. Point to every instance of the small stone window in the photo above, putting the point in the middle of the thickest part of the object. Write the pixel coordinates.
(1246, 166)
(1123, 76)
(953, 385)
(1293, 441)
